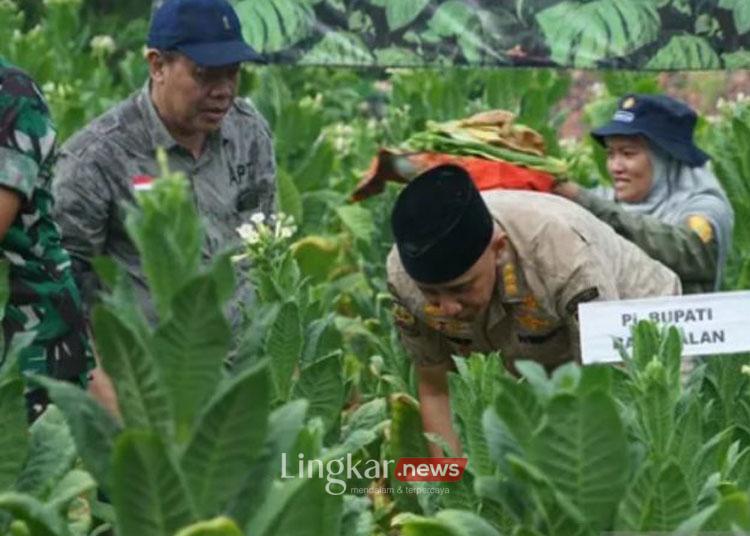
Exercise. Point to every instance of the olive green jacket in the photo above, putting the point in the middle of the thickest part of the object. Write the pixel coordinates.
(676, 246)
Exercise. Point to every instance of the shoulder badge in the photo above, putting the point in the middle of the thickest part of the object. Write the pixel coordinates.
(404, 319)
(510, 281)
(702, 227)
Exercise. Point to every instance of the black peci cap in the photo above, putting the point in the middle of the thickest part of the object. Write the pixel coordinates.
(441, 225)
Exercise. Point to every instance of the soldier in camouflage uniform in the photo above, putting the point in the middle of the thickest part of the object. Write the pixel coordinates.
(43, 297)
(665, 198)
(188, 107)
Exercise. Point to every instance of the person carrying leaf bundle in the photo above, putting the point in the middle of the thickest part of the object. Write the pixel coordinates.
(500, 271)
(494, 151)
(665, 198)
(43, 301)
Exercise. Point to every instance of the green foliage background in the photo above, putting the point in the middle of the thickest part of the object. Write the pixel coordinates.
(319, 371)
(636, 34)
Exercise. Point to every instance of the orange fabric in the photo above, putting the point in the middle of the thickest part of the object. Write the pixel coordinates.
(489, 174)
(486, 174)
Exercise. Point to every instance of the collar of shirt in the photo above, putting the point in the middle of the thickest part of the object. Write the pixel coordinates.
(510, 286)
(158, 134)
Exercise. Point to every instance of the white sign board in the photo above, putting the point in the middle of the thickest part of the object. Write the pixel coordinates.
(710, 323)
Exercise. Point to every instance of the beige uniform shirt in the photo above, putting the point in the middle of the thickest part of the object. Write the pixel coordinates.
(557, 256)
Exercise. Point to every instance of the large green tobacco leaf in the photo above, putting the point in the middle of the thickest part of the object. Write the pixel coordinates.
(369, 416)
(657, 500)
(741, 12)
(518, 407)
(149, 493)
(51, 454)
(357, 518)
(140, 392)
(732, 514)
(273, 25)
(284, 425)
(685, 50)
(227, 439)
(582, 449)
(74, 484)
(598, 30)
(688, 437)
(446, 523)
(191, 347)
(298, 507)
(554, 510)
(322, 384)
(407, 441)
(733, 168)
(14, 442)
(290, 201)
(284, 347)
(40, 519)
(471, 390)
(646, 343)
(120, 295)
(321, 339)
(656, 409)
(167, 231)
(93, 429)
(221, 526)
(358, 220)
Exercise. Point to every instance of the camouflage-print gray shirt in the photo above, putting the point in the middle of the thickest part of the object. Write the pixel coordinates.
(100, 166)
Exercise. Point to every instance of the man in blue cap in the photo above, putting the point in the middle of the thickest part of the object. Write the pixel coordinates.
(189, 108)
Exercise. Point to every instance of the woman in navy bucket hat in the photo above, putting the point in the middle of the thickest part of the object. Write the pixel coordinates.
(664, 198)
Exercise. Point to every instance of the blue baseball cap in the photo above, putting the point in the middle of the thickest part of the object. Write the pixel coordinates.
(664, 121)
(206, 31)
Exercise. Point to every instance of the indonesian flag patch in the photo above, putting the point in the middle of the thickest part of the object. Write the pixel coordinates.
(141, 183)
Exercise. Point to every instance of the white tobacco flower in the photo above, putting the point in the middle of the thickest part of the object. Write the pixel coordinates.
(258, 218)
(103, 44)
(248, 233)
(286, 232)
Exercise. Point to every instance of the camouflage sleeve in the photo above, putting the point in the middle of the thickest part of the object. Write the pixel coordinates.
(259, 189)
(81, 210)
(27, 135)
(691, 255)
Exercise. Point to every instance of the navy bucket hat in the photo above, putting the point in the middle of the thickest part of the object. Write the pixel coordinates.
(206, 31)
(664, 121)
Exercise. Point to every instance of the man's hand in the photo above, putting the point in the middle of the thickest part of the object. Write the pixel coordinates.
(567, 189)
(10, 204)
(102, 390)
(435, 406)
